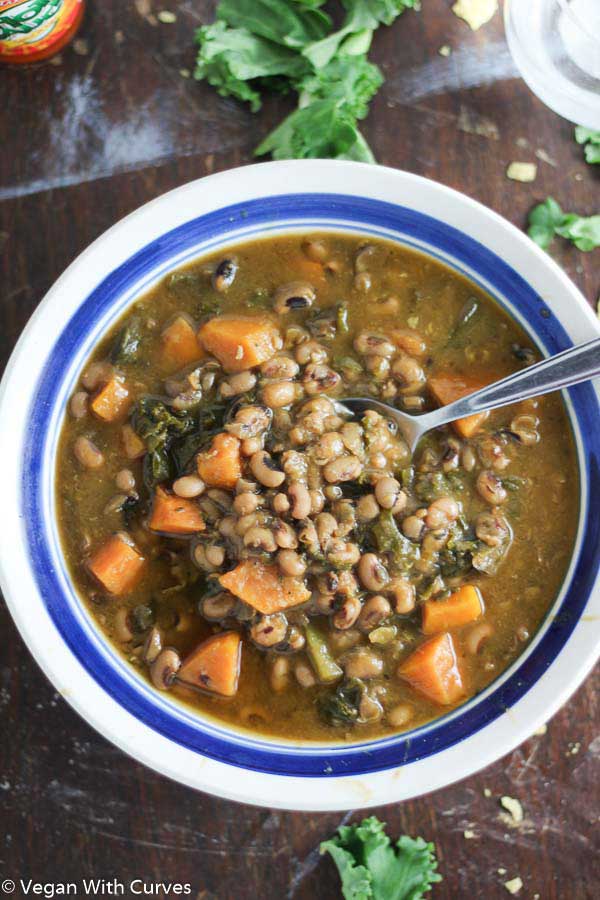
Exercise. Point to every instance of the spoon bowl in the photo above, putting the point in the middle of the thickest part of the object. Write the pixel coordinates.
(579, 363)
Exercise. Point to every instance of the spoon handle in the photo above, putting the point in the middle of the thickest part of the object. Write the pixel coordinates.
(553, 374)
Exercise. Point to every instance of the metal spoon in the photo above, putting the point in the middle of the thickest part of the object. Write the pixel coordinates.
(553, 374)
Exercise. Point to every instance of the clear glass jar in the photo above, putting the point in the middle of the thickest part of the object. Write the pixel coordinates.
(556, 46)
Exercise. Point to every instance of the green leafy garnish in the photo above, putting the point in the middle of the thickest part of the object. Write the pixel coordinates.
(547, 220)
(363, 17)
(239, 64)
(371, 868)
(281, 45)
(591, 141)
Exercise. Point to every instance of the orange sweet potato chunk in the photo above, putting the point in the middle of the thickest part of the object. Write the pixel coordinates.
(214, 665)
(263, 587)
(117, 565)
(112, 401)
(240, 342)
(463, 606)
(448, 388)
(432, 670)
(180, 345)
(175, 515)
(221, 465)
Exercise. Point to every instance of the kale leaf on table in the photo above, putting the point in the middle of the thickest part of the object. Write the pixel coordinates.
(281, 45)
(547, 219)
(372, 868)
(591, 141)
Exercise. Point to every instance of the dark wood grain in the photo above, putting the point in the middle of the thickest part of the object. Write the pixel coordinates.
(83, 143)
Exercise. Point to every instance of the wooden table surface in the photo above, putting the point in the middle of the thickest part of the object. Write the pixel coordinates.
(85, 140)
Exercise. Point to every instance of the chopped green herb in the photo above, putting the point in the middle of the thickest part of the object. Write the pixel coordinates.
(591, 141)
(372, 868)
(389, 539)
(547, 220)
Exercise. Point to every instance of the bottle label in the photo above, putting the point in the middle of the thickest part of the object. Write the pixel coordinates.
(29, 27)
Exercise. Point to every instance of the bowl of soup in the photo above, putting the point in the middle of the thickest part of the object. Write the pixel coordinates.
(245, 587)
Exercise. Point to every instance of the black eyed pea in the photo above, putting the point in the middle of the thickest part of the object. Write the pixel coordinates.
(319, 378)
(265, 470)
(490, 488)
(215, 555)
(310, 352)
(249, 422)
(87, 454)
(372, 573)
(315, 250)
(295, 638)
(344, 468)
(404, 595)
(152, 645)
(525, 428)
(245, 503)
(269, 630)
(367, 508)
(468, 459)
(413, 527)
(295, 295)
(347, 614)
(224, 274)
(250, 446)
(280, 367)
(123, 631)
(370, 344)
(400, 715)
(300, 498)
(96, 374)
(280, 671)
(291, 563)
(227, 526)
(284, 534)
(387, 491)
(329, 446)
(79, 405)
(326, 526)
(304, 675)
(492, 529)
(363, 663)
(317, 501)
(369, 708)
(188, 486)
(375, 611)
(277, 394)
(236, 384)
(164, 668)
(217, 607)
(260, 539)
(442, 512)
(280, 504)
(408, 373)
(343, 553)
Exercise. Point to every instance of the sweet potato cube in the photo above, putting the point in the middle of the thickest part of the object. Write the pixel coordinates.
(133, 445)
(463, 606)
(175, 515)
(263, 587)
(214, 665)
(432, 670)
(117, 564)
(448, 388)
(240, 342)
(112, 401)
(221, 465)
(180, 345)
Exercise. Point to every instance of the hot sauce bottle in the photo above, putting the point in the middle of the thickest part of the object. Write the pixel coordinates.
(31, 30)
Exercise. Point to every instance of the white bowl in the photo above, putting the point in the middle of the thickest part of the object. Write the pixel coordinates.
(275, 198)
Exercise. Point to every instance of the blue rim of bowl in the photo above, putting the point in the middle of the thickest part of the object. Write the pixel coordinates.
(281, 214)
